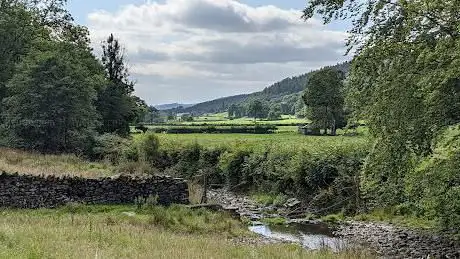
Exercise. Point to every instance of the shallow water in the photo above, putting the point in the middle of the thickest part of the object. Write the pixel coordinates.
(310, 236)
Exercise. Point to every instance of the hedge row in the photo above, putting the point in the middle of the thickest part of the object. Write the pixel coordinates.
(260, 123)
(321, 178)
(266, 129)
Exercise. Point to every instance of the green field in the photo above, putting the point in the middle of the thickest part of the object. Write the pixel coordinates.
(221, 119)
(288, 140)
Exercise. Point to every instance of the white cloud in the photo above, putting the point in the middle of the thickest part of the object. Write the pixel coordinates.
(204, 44)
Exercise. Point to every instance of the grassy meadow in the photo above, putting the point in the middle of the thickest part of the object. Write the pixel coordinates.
(127, 232)
(291, 140)
(12, 160)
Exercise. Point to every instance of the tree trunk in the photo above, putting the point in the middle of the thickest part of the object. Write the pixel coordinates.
(333, 128)
(325, 122)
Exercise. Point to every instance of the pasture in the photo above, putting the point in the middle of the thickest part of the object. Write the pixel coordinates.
(290, 140)
(222, 119)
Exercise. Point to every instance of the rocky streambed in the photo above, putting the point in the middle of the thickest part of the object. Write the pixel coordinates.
(387, 241)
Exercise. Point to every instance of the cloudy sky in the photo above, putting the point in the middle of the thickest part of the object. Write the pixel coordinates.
(190, 51)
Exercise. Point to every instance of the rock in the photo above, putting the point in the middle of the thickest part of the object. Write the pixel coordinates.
(291, 203)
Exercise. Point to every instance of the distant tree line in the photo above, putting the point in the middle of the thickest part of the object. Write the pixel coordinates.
(56, 96)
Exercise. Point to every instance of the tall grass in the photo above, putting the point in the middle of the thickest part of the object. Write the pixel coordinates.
(34, 163)
(122, 232)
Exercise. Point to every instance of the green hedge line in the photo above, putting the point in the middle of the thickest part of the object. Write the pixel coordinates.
(266, 129)
(321, 178)
(261, 123)
(325, 177)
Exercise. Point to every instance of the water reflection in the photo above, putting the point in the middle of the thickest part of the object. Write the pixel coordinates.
(310, 236)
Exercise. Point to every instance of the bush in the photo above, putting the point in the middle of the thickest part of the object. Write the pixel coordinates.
(148, 147)
(324, 177)
(111, 147)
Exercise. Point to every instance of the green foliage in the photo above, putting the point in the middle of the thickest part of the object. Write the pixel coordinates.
(113, 148)
(324, 99)
(148, 147)
(274, 113)
(257, 129)
(180, 219)
(286, 91)
(50, 103)
(116, 103)
(435, 183)
(257, 109)
(146, 202)
(404, 82)
(263, 198)
(333, 218)
(274, 221)
(281, 169)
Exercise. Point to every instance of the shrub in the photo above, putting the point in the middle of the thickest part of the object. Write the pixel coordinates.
(322, 176)
(232, 164)
(110, 147)
(148, 147)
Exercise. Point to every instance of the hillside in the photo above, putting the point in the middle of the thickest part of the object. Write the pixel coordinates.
(285, 91)
(169, 106)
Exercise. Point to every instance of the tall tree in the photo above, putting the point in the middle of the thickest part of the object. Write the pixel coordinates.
(324, 99)
(115, 103)
(257, 109)
(404, 81)
(232, 109)
(25, 24)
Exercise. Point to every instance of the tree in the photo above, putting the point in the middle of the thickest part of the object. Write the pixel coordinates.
(51, 103)
(404, 81)
(274, 113)
(285, 108)
(232, 110)
(257, 109)
(324, 100)
(26, 24)
(299, 107)
(17, 32)
(116, 103)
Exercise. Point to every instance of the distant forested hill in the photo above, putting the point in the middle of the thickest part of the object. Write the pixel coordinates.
(286, 91)
(172, 106)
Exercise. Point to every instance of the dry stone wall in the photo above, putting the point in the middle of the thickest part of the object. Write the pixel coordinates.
(30, 191)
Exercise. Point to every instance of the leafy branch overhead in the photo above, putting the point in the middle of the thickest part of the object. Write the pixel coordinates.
(405, 82)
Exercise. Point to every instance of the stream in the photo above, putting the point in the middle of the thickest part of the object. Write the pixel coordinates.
(386, 240)
(311, 236)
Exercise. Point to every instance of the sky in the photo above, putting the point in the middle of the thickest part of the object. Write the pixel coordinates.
(189, 51)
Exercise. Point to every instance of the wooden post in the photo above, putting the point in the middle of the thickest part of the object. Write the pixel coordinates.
(204, 196)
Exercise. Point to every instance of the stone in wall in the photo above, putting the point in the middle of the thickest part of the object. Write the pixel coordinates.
(30, 191)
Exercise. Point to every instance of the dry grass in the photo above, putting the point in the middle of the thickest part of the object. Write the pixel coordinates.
(33, 163)
(110, 233)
